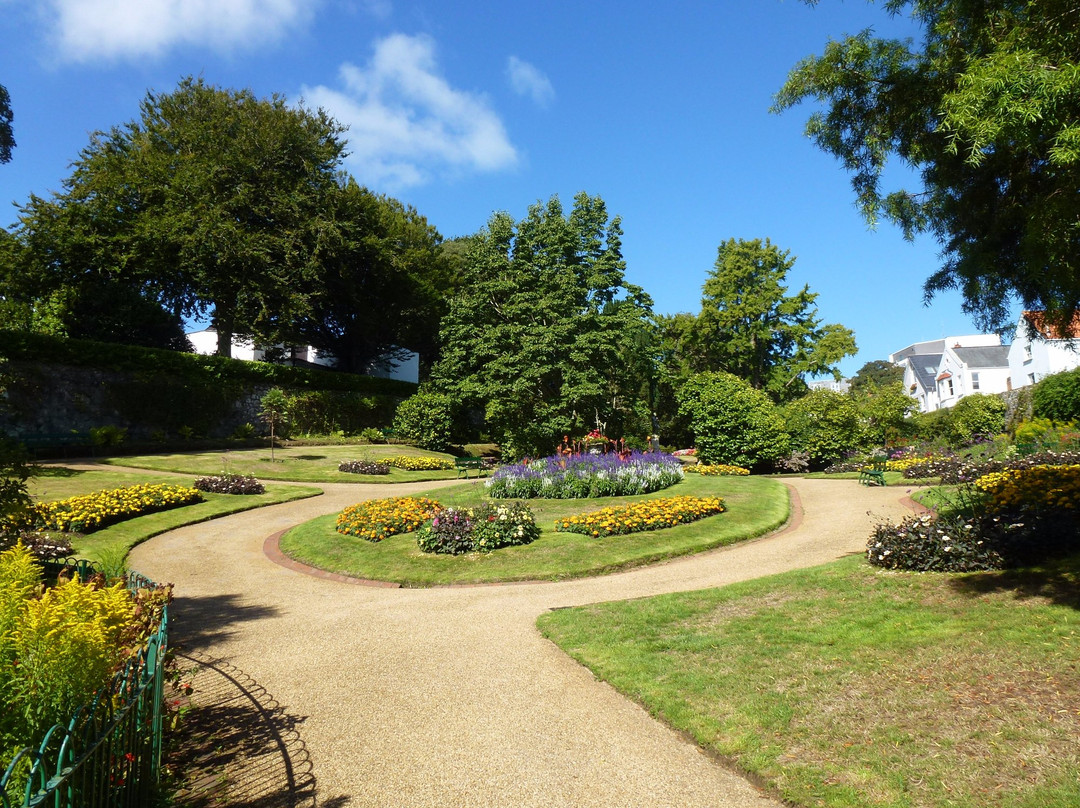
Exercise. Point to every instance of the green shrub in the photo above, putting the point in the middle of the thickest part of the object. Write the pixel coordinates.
(976, 416)
(1058, 396)
(824, 424)
(56, 650)
(373, 435)
(426, 419)
(1047, 434)
(106, 436)
(733, 423)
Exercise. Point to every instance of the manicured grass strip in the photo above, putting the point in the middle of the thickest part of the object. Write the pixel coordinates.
(755, 505)
(309, 464)
(847, 686)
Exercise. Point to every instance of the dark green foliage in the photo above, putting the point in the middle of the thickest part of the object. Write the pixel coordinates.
(930, 543)
(19, 346)
(363, 467)
(15, 470)
(751, 327)
(212, 202)
(732, 422)
(823, 424)
(540, 335)
(325, 412)
(427, 419)
(1057, 397)
(448, 533)
(7, 137)
(878, 373)
(230, 484)
(985, 108)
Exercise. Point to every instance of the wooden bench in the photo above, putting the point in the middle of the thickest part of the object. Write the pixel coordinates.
(466, 464)
(875, 473)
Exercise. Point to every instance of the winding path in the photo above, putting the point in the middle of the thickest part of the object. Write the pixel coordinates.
(450, 697)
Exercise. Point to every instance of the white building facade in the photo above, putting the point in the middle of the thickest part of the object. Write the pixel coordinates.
(938, 373)
(1040, 350)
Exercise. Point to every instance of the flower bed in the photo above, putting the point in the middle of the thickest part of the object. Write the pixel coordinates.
(454, 531)
(586, 476)
(90, 512)
(376, 519)
(653, 514)
(1036, 487)
(230, 484)
(414, 463)
(364, 467)
(718, 470)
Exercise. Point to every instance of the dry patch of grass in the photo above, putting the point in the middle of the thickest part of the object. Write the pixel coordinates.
(847, 686)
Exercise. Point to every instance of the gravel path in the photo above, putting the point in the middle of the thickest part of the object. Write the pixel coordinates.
(450, 697)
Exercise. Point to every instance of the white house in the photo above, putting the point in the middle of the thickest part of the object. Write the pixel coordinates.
(206, 341)
(966, 371)
(938, 373)
(1039, 349)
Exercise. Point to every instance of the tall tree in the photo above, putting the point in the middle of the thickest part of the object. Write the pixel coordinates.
(987, 109)
(381, 282)
(877, 372)
(7, 135)
(750, 327)
(539, 333)
(212, 202)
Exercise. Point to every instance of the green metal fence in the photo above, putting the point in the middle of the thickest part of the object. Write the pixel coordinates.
(109, 753)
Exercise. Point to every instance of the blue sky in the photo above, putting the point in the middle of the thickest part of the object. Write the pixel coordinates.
(462, 109)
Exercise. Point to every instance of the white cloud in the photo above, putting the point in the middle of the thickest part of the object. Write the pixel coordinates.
(527, 80)
(108, 29)
(406, 123)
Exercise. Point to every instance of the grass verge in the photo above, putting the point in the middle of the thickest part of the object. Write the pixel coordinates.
(307, 464)
(844, 685)
(755, 506)
(59, 483)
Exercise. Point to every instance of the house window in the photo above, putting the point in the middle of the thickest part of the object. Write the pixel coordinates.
(1027, 352)
(1031, 378)
(974, 381)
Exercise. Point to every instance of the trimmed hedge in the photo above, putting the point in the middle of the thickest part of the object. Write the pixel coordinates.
(19, 346)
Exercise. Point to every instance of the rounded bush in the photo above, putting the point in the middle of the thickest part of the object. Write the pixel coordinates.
(732, 422)
(426, 419)
(487, 527)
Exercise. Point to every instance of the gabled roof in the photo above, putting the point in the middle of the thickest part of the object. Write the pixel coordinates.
(1050, 330)
(925, 367)
(974, 358)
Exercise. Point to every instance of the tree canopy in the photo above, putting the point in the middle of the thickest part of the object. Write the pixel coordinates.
(7, 135)
(211, 202)
(986, 108)
(751, 327)
(540, 330)
(877, 372)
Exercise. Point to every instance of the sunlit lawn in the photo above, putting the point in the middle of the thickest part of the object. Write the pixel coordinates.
(59, 483)
(755, 505)
(848, 686)
(311, 464)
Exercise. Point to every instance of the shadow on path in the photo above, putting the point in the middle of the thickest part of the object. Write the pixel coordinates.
(237, 747)
(199, 621)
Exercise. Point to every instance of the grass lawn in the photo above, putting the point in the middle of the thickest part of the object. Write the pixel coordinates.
(845, 685)
(308, 464)
(755, 505)
(59, 483)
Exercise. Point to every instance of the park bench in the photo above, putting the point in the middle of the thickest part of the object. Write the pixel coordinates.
(465, 464)
(875, 473)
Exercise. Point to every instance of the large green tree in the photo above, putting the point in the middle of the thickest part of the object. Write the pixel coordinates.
(381, 282)
(540, 332)
(986, 108)
(213, 202)
(751, 327)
